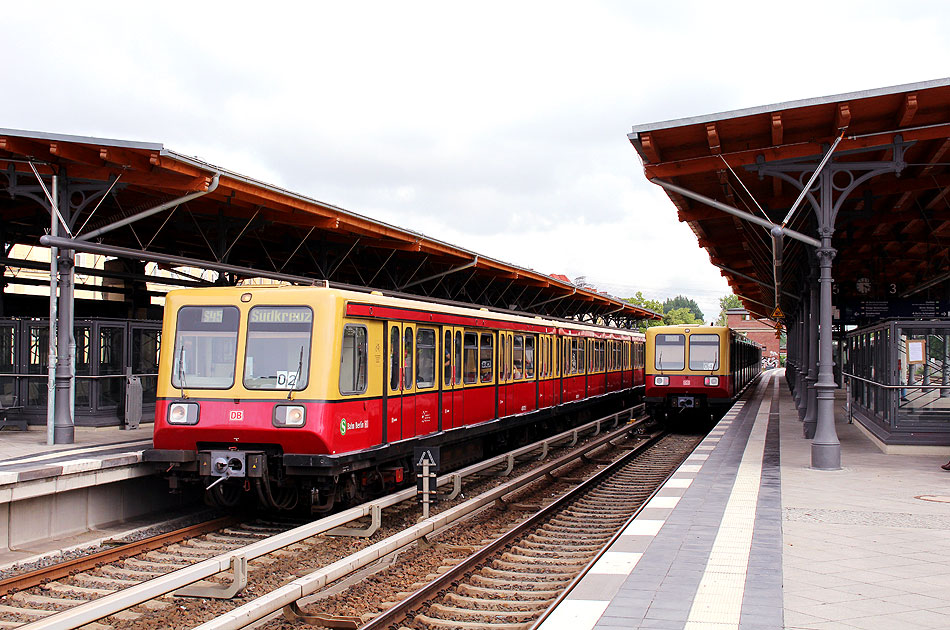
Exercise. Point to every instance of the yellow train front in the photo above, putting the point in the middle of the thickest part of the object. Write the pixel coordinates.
(312, 396)
(697, 367)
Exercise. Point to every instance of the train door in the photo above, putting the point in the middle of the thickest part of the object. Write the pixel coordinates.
(399, 382)
(426, 399)
(504, 372)
(451, 377)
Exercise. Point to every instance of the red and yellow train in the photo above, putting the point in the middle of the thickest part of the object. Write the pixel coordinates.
(697, 367)
(311, 396)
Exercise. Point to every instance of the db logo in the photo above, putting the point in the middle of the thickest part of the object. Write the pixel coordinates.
(685, 381)
(236, 415)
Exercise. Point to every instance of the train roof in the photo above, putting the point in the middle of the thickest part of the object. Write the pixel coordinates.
(378, 298)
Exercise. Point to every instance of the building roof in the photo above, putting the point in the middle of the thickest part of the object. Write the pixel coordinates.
(892, 231)
(248, 223)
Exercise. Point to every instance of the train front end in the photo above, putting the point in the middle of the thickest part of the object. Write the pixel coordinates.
(239, 385)
(687, 367)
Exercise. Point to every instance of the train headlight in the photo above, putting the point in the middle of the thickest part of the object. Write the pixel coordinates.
(183, 413)
(661, 380)
(290, 416)
(711, 381)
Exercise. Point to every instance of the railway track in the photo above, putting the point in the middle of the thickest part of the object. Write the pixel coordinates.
(130, 586)
(511, 581)
(41, 593)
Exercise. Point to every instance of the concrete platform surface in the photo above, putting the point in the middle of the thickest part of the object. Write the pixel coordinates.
(746, 536)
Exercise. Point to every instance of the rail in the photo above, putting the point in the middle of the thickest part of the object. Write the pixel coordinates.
(121, 600)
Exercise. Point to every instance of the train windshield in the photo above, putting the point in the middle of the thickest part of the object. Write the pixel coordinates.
(670, 352)
(205, 347)
(704, 352)
(278, 347)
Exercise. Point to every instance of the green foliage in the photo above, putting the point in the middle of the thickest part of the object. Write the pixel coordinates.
(682, 315)
(681, 301)
(726, 302)
(652, 305)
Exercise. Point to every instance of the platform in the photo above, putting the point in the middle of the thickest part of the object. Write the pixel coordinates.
(745, 535)
(71, 491)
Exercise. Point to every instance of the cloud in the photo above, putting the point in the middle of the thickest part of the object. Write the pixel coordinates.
(500, 127)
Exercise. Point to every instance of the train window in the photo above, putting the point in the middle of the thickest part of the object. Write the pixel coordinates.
(529, 356)
(517, 357)
(394, 359)
(425, 358)
(670, 352)
(458, 357)
(581, 355)
(447, 352)
(407, 358)
(277, 353)
(205, 347)
(503, 363)
(704, 352)
(486, 358)
(470, 373)
(353, 360)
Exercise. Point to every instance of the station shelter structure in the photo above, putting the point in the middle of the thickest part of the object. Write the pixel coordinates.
(111, 225)
(831, 217)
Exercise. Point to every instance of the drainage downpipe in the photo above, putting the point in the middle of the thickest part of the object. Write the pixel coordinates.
(151, 211)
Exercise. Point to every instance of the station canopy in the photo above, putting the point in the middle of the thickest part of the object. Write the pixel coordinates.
(141, 201)
(890, 190)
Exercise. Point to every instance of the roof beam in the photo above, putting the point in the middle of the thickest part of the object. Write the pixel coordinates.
(738, 159)
(842, 118)
(75, 153)
(908, 110)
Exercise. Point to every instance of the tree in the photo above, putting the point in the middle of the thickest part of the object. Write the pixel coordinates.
(682, 315)
(651, 305)
(725, 303)
(681, 301)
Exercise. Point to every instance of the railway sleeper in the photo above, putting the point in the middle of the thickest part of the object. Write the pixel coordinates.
(488, 592)
(72, 589)
(544, 554)
(527, 572)
(146, 566)
(560, 538)
(488, 616)
(574, 520)
(547, 585)
(89, 578)
(498, 604)
(536, 545)
(44, 601)
(193, 552)
(432, 622)
(571, 530)
(219, 545)
(169, 560)
(133, 574)
(551, 562)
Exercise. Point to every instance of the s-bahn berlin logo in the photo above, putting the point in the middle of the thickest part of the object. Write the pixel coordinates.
(343, 426)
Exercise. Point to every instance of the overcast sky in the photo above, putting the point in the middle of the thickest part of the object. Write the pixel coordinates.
(496, 126)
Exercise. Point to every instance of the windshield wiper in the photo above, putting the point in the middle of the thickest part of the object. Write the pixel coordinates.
(299, 367)
(181, 370)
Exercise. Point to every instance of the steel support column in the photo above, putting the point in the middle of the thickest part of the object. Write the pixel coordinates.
(825, 448)
(63, 398)
(810, 394)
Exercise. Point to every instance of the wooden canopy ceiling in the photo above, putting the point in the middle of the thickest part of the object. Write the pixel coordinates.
(247, 223)
(892, 232)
